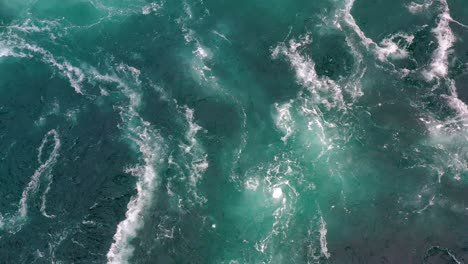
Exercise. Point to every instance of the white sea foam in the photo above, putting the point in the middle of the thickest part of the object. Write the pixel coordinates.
(121, 249)
(151, 8)
(55, 240)
(445, 40)
(283, 196)
(74, 74)
(449, 136)
(193, 128)
(252, 184)
(323, 89)
(323, 238)
(221, 35)
(43, 168)
(148, 142)
(7, 51)
(457, 104)
(14, 222)
(44, 199)
(202, 53)
(417, 8)
(4, 52)
(277, 193)
(15, 46)
(391, 48)
(194, 157)
(388, 48)
(284, 120)
(199, 162)
(29, 26)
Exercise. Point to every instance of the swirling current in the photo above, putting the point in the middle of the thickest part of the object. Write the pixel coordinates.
(222, 131)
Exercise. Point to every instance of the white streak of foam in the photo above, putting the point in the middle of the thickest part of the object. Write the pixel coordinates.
(284, 120)
(221, 35)
(44, 167)
(150, 8)
(417, 8)
(320, 87)
(387, 48)
(4, 52)
(29, 27)
(9, 52)
(349, 19)
(455, 102)
(44, 200)
(13, 45)
(15, 222)
(74, 74)
(200, 51)
(199, 161)
(277, 193)
(147, 140)
(121, 249)
(323, 238)
(252, 184)
(445, 40)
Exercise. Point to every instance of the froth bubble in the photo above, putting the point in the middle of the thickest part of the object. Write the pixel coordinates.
(277, 193)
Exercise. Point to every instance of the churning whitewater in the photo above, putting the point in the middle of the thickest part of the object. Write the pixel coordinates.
(203, 131)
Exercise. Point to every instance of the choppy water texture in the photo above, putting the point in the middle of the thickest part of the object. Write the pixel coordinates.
(208, 131)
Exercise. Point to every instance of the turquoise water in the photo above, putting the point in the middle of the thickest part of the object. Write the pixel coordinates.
(208, 131)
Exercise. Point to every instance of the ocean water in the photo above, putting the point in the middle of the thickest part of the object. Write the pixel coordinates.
(221, 131)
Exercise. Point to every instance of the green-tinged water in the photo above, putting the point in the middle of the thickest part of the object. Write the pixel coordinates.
(222, 131)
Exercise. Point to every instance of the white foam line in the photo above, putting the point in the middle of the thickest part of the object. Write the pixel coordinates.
(14, 223)
(196, 158)
(455, 102)
(284, 120)
(33, 183)
(416, 8)
(29, 27)
(459, 23)
(193, 129)
(151, 8)
(445, 40)
(44, 200)
(351, 22)
(243, 142)
(4, 52)
(387, 47)
(319, 87)
(74, 75)
(121, 249)
(323, 238)
(147, 140)
(429, 204)
(221, 35)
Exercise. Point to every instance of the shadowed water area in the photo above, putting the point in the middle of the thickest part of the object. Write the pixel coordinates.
(217, 131)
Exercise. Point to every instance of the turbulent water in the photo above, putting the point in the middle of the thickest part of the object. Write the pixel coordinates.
(209, 131)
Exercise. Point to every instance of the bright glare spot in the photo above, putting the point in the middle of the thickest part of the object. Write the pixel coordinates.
(277, 193)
